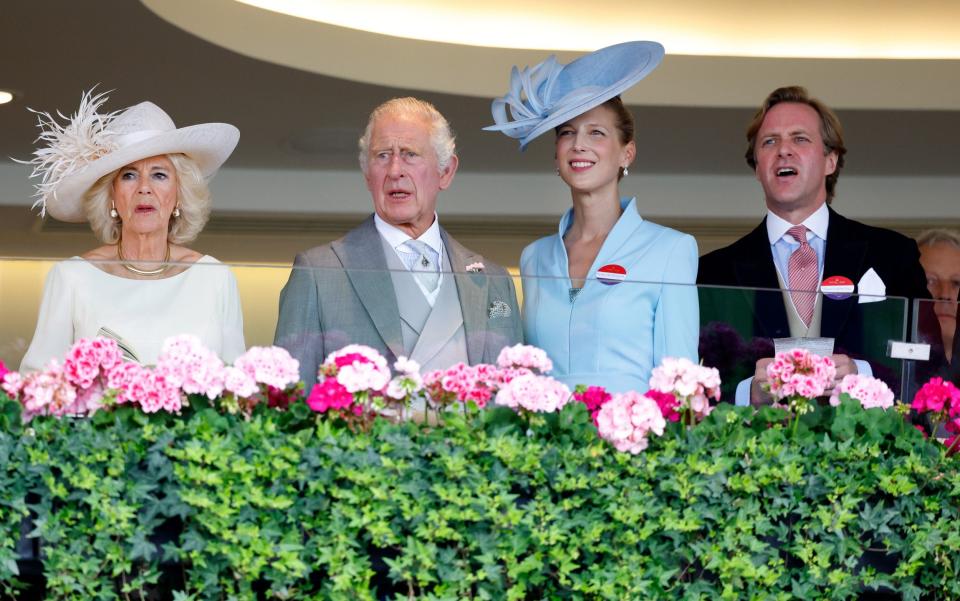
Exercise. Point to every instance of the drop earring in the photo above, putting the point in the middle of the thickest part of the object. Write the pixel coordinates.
(176, 212)
(558, 171)
(626, 172)
(113, 213)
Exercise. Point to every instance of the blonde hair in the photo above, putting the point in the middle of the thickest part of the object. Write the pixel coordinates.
(193, 198)
(441, 134)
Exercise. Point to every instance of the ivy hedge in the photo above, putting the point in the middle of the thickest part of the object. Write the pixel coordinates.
(490, 505)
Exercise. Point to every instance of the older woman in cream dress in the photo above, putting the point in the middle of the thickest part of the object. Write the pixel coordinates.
(141, 183)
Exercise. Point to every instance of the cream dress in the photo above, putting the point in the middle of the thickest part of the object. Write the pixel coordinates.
(79, 299)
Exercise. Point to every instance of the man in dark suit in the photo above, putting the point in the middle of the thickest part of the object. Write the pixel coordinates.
(795, 147)
(399, 282)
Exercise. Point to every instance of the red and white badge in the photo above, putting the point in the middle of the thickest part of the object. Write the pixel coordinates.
(611, 274)
(837, 287)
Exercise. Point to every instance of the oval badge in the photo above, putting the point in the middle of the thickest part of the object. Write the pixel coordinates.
(611, 274)
(837, 287)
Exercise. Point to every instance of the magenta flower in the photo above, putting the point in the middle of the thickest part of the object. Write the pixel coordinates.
(329, 394)
(594, 397)
(936, 396)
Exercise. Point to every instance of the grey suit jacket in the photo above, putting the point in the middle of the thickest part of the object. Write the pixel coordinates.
(340, 293)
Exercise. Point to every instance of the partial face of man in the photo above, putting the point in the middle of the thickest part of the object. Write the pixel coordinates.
(792, 162)
(941, 263)
(403, 173)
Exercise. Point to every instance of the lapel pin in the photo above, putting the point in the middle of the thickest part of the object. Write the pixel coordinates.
(498, 308)
(837, 287)
(611, 274)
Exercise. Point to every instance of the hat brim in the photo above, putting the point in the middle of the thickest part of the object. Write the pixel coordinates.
(634, 60)
(209, 144)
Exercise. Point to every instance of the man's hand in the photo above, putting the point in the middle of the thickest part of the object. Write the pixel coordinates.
(758, 396)
(845, 367)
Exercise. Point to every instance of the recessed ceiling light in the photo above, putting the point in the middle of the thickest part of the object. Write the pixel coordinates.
(5, 96)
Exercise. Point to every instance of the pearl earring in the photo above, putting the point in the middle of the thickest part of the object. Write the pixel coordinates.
(558, 171)
(176, 212)
(113, 213)
(626, 172)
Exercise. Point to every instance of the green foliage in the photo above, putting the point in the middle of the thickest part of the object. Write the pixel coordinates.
(490, 505)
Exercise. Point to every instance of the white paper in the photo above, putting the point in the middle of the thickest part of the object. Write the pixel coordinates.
(871, 288)
(817, 346)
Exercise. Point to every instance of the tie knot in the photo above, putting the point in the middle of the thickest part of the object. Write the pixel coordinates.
(426, 257)
(799, 233)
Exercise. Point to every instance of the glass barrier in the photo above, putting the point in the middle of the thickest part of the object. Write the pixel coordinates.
(741, 326)
(608, 332)
(935, 348)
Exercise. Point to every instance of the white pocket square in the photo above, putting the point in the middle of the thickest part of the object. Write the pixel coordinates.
(871, 288)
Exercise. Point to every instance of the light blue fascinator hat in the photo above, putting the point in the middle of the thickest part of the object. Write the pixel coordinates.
(549, 94)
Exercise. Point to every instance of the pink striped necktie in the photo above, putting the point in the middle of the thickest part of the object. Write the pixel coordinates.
(804, 274)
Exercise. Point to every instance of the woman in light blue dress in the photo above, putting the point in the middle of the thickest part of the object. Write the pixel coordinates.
(611, 294)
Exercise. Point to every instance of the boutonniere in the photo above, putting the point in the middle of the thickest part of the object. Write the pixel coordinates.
(475, 267)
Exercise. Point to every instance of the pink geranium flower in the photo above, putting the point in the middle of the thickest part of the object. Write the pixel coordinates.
(524, 356)
(185, 362)
(351, 381)
(270, 366)
(692, 385)
(800, 373)
(462, 383)
(627, 421)
(358, 368)
(871, 392)
(537, 394)
(89, 358)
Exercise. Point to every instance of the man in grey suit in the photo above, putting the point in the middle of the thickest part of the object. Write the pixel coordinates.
(398, 282)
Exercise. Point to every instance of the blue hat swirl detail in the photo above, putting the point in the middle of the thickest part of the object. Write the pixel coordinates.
(550, 94)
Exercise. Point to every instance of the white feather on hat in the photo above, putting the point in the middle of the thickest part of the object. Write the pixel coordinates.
(90, 145)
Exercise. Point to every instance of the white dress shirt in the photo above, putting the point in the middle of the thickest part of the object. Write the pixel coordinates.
(396, 238)
(782, 246)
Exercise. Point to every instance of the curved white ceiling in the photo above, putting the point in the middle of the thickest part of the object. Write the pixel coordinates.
(719, 54)
(861, 29)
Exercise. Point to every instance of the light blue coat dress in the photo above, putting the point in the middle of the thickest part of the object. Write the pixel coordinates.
(613, 335)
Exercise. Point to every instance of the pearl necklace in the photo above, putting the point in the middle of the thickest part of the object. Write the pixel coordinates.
(129, 266)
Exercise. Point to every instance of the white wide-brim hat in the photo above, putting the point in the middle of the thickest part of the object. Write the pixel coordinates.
(550, 94)
(91, 145)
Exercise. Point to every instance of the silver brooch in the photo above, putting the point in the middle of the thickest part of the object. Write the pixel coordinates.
(498, 308)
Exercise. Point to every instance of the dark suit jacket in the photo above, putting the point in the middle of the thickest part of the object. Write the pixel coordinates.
(852, 249)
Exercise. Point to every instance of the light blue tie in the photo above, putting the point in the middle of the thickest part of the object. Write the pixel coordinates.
(423, 262)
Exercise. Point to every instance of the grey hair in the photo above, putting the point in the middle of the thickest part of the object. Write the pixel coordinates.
(193, 198)
(938, 235)
(441, 134)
